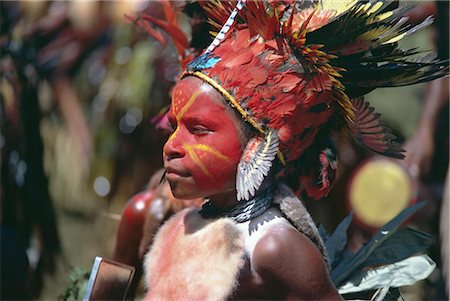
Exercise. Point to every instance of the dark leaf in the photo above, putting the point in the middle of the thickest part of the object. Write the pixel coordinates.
(338, 240)
(401, 245)
(323, 233)
(341, 272)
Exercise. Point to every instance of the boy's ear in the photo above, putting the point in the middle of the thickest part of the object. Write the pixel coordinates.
(255, 164)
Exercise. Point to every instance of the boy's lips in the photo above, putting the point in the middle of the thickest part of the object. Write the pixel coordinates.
(171, 170)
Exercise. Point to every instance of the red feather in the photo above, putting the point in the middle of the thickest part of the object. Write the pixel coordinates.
(289, 82)
(241, 58)
(169, 13)
(259, 22)
(156, 34)
(371, 133)
(179, 38)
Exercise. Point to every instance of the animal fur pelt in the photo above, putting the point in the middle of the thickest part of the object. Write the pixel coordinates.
(201, 265)
(296, 213)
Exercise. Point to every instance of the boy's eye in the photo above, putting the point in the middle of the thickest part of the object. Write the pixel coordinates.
(172, 126)
(199, 129)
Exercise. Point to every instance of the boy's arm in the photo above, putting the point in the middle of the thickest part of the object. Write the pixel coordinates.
(291, 260)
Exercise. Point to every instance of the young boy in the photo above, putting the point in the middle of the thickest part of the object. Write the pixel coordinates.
(204, 251)
(260, 104)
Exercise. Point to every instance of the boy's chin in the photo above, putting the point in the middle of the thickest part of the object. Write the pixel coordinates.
(187, 191)
(184, 193)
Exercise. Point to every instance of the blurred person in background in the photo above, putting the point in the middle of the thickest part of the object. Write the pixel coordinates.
(142, 216)
(65, 125)
(427, 151)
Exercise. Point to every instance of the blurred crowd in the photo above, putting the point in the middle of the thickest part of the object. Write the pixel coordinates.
(79, 85)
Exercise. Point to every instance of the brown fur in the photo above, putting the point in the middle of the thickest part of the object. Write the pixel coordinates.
(296, 213)
(203, 265)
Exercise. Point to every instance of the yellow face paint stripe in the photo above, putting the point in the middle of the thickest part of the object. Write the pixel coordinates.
(182, 111)
(187, 105)
(172, 136)
(206, 148)
(197, 160)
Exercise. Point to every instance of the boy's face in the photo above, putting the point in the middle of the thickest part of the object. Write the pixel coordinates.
(202, 154)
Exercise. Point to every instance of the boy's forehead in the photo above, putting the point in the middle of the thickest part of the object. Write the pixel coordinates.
(178, 97)
(191, 90)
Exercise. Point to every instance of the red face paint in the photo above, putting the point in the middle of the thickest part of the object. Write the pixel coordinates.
(202, 154)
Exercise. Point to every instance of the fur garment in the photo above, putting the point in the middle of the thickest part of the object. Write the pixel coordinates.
(202, 265)
(296, 213)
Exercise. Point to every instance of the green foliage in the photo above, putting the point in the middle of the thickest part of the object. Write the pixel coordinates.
(77, 283)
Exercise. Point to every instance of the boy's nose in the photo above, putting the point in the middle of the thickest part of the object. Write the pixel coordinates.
(173, 149)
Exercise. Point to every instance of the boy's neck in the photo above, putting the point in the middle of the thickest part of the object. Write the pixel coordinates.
(226, 204)
(228, 198)
(224, 200)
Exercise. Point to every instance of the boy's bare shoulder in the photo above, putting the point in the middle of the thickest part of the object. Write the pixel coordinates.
(285, 256)
(282, 240)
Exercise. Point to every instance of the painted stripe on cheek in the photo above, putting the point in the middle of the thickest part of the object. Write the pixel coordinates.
(191, 149)
(196, 160)
(208, 149)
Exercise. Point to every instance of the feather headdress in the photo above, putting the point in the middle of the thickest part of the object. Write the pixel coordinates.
(297, 71)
